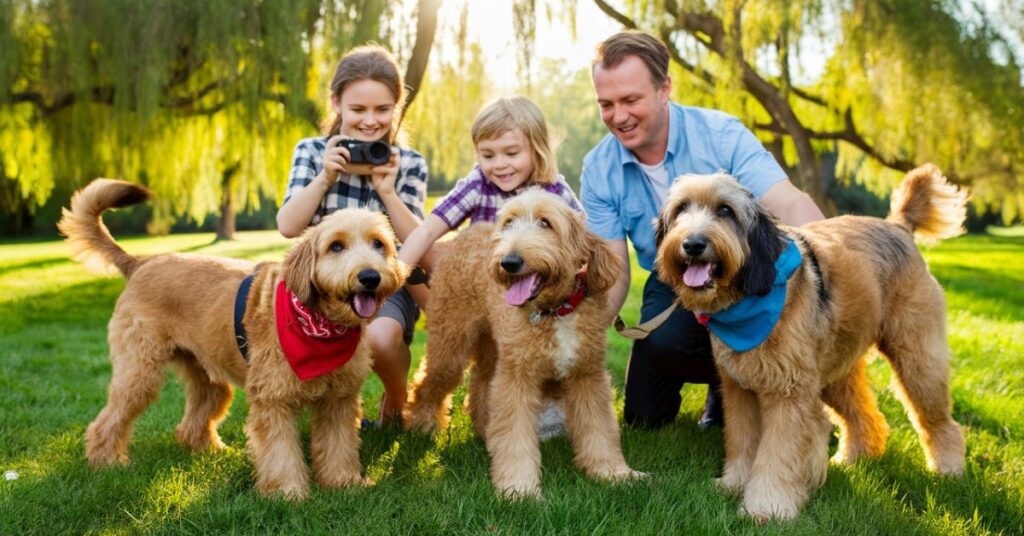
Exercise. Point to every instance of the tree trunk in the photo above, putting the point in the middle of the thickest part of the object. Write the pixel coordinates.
(426, 27)
(226, 223)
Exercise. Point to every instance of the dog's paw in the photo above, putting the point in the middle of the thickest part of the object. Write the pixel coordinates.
(763, 509)
(521, 493)
(343, 481)
(729, 485)
(289, 491)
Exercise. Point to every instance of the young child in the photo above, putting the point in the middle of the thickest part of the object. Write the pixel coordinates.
(513, 152)
(367, 93)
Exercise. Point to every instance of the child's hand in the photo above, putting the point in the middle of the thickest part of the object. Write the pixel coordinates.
(335, 159)
(384, 175)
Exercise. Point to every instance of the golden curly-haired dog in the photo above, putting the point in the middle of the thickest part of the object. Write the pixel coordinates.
(178, 310)
(498, 295)
(861, 281)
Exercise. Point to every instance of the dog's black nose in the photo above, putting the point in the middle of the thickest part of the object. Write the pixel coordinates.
(369, 279)
(512, 263)
(695, 245)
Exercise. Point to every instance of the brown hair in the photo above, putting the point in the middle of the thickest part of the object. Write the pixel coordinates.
(510, 113)
(649, 49)
(369, 62)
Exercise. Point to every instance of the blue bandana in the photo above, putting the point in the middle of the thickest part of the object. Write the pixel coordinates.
(747, 323)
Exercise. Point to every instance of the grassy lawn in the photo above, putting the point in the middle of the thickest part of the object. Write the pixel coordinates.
(54, 373)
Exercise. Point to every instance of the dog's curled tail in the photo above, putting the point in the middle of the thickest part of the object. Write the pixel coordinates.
(928, 205)
(90, 241)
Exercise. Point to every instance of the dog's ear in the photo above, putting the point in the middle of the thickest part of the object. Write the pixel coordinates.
(659, 230)
(602, 265)
(298, 267)
(765, 242)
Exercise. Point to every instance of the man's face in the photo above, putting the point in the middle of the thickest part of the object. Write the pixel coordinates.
(633, 108)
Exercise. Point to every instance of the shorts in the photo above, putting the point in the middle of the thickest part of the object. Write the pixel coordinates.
(403, 309)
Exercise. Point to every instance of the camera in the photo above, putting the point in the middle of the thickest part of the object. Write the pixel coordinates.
(373, 153)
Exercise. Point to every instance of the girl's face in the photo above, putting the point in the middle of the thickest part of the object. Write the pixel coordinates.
(366, 109)
(507, 161)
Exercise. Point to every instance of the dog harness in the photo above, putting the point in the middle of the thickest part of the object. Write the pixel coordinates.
(570, 303)
(747, 323)
(241, 297)
(312, 344)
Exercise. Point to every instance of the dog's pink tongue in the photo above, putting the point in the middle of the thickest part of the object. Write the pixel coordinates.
(366, 305)
(697, 274)
(521, 290)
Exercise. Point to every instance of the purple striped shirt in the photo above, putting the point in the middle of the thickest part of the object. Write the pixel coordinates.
(478, 199)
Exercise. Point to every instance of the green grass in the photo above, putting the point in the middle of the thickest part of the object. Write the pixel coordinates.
(54, 372)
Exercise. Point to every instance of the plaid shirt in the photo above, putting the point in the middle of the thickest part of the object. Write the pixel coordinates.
(354, 190)
(478, 199)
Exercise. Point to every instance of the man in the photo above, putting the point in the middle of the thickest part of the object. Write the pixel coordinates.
(626, 179)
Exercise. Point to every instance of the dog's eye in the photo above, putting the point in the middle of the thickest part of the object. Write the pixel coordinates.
(725, 211)
(544, 223)
(507, 224)
(337, 247)
(378, 244)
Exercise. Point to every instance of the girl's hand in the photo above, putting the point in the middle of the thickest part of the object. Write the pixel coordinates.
(385, 175)
(335, 159)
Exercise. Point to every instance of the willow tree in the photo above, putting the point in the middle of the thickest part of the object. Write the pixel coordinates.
(202, 101)
(902, 82)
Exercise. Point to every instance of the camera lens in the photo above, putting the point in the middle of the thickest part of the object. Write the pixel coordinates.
(378, 152)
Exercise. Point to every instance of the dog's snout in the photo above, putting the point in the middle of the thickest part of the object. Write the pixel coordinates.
(694, 245)
(512, 263)
(369, 279)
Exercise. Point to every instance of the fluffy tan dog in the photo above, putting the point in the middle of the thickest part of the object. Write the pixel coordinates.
(861, 281)
(178, 310)
(499, 296)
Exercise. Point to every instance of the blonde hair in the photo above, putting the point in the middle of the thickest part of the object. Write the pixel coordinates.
(510, 113)
(369, 62)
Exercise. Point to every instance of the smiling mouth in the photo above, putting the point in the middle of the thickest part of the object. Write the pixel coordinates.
(365, 304)
(524, 289)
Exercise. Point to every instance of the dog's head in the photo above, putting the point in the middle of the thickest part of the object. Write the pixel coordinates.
(716, 243)
(346, 265)
(540, 244)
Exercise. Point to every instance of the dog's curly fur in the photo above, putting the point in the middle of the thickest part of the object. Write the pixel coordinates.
(516, 362)
(862, 282)
(178, 310)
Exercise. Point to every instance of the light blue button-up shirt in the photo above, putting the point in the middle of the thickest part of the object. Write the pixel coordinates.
(620, 201)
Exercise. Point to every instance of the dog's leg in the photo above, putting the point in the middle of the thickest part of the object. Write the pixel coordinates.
(272, 430)
(514, 404)
(335, 442)
(742, 434)
(792, 458)
(914, 341)
(593, 427)
(136, 377)
(480, 378)
(440, 372)
(863, 430)
(206, 405)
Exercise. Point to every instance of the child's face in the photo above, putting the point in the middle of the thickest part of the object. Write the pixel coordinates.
(366, 108)
(507, 161)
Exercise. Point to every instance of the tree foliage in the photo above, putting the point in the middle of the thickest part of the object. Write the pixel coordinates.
(202, 101)
(902, 82)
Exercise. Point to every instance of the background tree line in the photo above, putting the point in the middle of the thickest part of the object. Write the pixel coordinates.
(204, 101)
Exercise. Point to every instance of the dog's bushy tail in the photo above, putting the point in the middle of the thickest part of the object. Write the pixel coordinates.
(928, 205)
(90, 241)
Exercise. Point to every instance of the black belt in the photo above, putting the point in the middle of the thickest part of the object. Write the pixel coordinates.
(240, 299)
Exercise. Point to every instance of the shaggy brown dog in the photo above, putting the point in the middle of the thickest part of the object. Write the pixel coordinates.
(494, 297)
(861, 281)
(177, 310)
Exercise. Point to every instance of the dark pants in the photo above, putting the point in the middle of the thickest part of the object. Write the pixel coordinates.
(678, 352)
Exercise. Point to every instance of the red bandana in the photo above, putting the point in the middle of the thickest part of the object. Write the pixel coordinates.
(570, 303)
(312, 344)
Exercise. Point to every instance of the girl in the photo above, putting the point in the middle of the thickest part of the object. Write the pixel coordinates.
(513, 152)
(367, 93)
